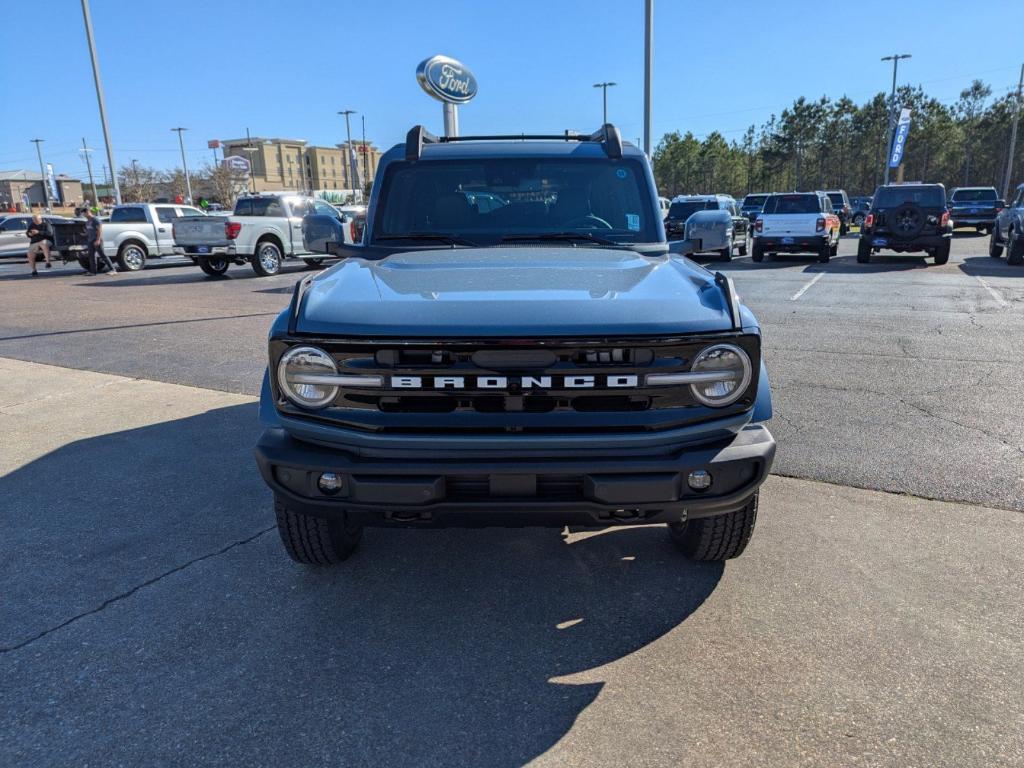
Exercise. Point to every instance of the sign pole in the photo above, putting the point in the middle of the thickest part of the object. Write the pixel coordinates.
(451, 119)
(1013, 137)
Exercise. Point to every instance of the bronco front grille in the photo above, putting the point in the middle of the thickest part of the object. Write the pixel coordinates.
(514, 385)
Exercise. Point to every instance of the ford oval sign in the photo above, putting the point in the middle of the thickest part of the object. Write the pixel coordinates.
(446, 79)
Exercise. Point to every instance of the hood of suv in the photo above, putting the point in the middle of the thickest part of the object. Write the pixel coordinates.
(512, 291)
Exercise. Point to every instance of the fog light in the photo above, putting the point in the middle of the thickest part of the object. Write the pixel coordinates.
(330, 483)
(699, 480)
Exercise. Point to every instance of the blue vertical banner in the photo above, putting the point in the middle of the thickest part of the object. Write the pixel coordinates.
(899, 141)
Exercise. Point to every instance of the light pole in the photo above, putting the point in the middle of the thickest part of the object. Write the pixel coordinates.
(648, 71)
(895, 59)
(604, 98)
(88, 164)
(366, 153)
(184, 165)
(99, 97)
(350, 160)
(1013, 137)
(42, 174)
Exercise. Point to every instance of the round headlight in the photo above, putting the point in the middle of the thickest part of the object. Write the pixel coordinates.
(300, 376)
(732, 366)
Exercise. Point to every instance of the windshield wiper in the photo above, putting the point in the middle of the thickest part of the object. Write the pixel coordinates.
(564, 236)
(434, 236)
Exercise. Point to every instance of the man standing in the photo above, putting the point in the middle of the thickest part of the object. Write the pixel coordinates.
(40, 235)
(94, 236)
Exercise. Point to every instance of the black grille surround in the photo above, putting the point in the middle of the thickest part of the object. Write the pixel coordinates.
(515, 408)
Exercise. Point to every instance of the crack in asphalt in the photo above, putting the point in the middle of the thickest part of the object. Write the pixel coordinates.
(128, 593)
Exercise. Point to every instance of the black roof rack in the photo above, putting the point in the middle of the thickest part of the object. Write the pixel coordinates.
(607, 135)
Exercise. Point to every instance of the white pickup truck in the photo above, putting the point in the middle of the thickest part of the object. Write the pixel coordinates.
(136, 232)
(796, 222)
(264, 230)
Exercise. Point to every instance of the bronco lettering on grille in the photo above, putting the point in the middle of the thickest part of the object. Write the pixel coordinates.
(611, 381)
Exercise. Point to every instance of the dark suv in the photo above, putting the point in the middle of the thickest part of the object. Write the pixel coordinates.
(513, 343)
(976, 207)
(907, 218)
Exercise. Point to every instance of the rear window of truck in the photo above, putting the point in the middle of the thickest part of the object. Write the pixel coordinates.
(792, 204)
(132, 215)
(974, 195)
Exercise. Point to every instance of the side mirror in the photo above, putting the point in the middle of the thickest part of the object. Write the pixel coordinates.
(320, 232)
(680, 247)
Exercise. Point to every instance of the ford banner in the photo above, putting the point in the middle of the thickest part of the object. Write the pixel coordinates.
(899, 141)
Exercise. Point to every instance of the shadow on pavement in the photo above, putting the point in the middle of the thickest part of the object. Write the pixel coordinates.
(425, 648)
(986, 266)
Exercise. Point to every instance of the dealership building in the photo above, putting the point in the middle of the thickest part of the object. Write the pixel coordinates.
(282, 164)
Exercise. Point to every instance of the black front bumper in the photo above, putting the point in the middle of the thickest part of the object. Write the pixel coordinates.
(799, 244)
(516, 492)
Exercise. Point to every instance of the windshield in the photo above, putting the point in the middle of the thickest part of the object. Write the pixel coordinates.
(754, 201)
(685, 210)
(792, 204)
(892, 197)
(836, 198)
(485, 201)
(974, 195)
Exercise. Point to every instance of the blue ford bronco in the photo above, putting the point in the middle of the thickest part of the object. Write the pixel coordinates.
(514, 342)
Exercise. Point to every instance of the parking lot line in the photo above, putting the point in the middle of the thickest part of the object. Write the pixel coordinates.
(805, 286)
(992, 292)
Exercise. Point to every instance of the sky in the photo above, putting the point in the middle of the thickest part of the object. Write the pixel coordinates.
(285, 69)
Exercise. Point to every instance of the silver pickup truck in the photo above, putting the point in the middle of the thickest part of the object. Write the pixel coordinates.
(263, 230)
(137, 232)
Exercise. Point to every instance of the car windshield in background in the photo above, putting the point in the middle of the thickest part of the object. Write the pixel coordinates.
(685, 210)
(754, 201)
(892, 197)
(486, 201)
(792, 204)
(837, 200)
(974, 195)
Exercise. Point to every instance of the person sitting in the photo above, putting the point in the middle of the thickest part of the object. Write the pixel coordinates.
(40, 235)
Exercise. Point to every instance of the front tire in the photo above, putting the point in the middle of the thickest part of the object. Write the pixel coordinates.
(267, 259)
(316, 540)
(995, 250)
(1015, 249)
(721, 537)
(131, 257)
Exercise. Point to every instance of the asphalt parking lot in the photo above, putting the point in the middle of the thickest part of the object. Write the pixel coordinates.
(151, 616)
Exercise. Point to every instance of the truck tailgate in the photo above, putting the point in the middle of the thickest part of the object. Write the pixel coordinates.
(200, 230)
(799, 224)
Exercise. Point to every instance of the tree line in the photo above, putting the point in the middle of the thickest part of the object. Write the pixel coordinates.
(217, 183)
(827, 144)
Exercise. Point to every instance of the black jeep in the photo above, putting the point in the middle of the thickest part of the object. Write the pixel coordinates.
(907, 218)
